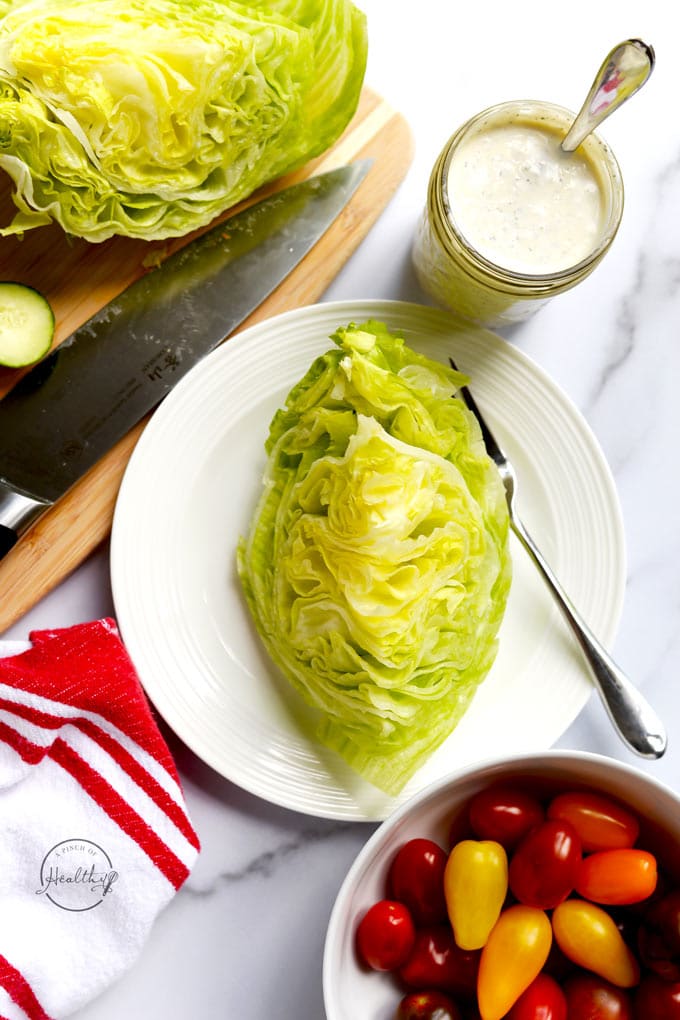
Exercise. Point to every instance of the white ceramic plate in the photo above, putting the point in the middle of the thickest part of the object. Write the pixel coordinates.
(189, 493)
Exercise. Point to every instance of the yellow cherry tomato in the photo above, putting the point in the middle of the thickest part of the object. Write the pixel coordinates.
(590, 938)
(475, 887)
(512, 958)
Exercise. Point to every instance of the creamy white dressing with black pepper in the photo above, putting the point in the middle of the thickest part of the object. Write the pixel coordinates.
(521, 202)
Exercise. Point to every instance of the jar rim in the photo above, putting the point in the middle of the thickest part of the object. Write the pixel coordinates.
(598, 152)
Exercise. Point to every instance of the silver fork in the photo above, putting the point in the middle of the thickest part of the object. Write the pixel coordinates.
(633, 717)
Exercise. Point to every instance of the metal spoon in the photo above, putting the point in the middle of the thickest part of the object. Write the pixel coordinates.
(623, 72)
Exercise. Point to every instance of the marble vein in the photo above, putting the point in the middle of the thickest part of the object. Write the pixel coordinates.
(266, 864)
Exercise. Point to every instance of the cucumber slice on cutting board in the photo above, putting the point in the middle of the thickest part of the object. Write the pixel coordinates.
(26, 325)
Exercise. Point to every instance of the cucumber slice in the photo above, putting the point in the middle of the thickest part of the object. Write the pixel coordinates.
(26, 325)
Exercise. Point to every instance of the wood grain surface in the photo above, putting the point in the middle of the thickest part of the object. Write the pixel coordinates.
(78, 278)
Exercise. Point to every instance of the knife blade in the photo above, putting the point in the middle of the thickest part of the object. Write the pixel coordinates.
(75, 404)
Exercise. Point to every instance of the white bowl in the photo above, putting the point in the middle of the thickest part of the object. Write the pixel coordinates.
(355, 993)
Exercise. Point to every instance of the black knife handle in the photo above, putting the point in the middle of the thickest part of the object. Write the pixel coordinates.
(8, 539)
(18, 511)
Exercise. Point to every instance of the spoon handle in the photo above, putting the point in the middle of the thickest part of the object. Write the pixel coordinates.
(623, 72)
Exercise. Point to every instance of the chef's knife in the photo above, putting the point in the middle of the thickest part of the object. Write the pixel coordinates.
(72, 407)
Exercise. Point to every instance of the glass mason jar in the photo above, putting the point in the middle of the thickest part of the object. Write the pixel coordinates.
(467, 280)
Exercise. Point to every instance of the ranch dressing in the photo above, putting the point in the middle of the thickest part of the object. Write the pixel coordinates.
(510, 219)
(521, 202)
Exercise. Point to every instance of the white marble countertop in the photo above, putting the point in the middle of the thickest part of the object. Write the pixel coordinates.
(244, 937)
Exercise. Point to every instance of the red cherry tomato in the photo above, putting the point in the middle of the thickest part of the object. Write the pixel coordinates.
(658, 937)
(436, 962)
(592, 998)
(543, 1000)
(544, 866)
(416, 878)
(427, 1006)
(601, 822)
(504, 814)
(617, 877)
(656, 999)
(385, 935)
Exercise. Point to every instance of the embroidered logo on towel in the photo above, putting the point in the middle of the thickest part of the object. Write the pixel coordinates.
(76, 874)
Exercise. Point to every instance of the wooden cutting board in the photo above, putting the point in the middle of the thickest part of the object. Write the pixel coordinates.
(78, 278)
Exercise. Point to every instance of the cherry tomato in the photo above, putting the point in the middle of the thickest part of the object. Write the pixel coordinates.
(543, 1000)
(558, 966)
(475, 887)
(590, 938)
(627, 925)
(656, 999)
(513, 956)
(416, 878)
(544, 866)
(504, 814)
(592, 998)
(601, 822)
(385, 935)
(460, 828)
(617, 877)
(658, 937)
(436, 962)
(427, 1006)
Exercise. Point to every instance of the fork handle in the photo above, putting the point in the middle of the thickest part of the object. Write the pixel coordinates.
(633, 717)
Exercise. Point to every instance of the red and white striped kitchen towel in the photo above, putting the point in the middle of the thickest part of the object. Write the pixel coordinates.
(94, 834)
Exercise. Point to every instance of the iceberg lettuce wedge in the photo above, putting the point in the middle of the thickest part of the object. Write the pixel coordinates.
(377, 565)
(150, 117)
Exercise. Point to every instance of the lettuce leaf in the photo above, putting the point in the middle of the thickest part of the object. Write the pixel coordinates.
(377, 566)
(150, 117)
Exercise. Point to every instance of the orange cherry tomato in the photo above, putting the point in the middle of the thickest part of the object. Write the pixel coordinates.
(590, 938)
(601, 822)
(617, 877)
(475, 887)
(512, 958)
